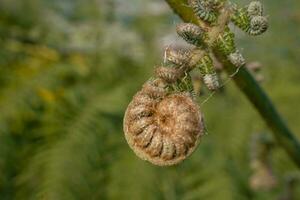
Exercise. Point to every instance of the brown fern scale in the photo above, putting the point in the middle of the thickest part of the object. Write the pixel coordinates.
(163, 130)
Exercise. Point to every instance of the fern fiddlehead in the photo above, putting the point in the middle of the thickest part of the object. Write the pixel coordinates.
(163, 124)
(163, 131)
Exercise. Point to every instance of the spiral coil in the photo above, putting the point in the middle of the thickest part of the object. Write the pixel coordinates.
(255, 8)
(205, 9)
(162, 128)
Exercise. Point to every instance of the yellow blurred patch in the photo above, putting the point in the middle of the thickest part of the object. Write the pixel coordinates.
(43, 52)
(80, 64)
(47, 95)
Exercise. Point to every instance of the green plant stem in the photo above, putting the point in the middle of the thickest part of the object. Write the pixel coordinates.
(253, 91)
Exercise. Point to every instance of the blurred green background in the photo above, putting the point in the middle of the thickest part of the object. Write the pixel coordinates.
(69, 68)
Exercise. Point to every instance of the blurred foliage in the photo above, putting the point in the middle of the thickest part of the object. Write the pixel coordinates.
(68, 69)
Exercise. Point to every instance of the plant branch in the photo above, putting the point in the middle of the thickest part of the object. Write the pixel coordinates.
(253, 91)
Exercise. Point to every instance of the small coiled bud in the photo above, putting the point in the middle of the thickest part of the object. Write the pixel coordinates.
(236, 59)
(208, 72)
(177, 56)
(191, 33)
(169, 131)
(168, 74)
(205, 9)
(258, 25)
(255, 8)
